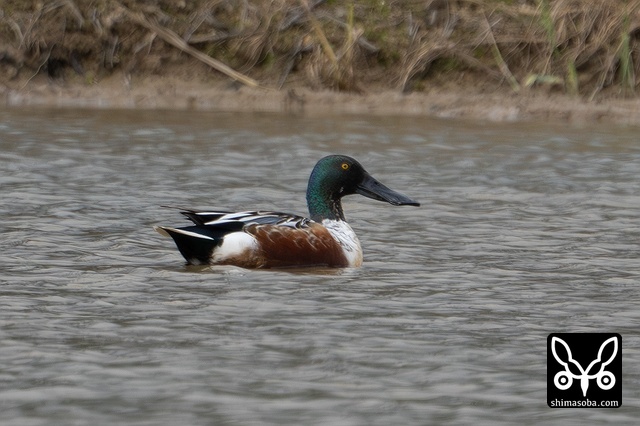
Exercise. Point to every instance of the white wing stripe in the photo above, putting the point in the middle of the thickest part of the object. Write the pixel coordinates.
(191, 234)
(254, 217)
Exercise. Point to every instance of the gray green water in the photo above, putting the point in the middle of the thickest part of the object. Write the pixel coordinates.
(524, 230)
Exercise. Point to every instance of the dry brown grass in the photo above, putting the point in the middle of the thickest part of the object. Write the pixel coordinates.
(582, 47)
(598, 39)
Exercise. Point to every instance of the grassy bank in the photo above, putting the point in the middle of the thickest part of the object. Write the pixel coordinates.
(586, 48)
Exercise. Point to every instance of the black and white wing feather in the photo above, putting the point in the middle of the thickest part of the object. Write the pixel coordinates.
(239, 220)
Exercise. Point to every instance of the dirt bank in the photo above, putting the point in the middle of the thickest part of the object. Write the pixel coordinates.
(174, 92)
(497, 60)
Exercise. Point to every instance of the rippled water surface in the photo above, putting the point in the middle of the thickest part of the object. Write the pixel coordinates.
(524, 230)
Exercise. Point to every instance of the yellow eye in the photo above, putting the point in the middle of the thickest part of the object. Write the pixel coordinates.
(345, 166)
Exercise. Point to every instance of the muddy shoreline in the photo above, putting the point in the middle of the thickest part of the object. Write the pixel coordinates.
(174, 93)
(568, 62)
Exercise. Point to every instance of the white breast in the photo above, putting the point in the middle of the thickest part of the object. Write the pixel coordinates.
(348, 240)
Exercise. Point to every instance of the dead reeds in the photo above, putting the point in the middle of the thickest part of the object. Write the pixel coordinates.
(594, 43)
(580, 47)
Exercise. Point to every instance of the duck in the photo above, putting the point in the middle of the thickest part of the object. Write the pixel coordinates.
(268, 239)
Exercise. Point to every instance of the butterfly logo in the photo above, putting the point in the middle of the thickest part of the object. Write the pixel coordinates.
(564, 379)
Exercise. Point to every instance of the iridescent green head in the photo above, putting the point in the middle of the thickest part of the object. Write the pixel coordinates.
(335, 176)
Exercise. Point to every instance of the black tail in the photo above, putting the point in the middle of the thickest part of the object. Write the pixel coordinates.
(196, 243)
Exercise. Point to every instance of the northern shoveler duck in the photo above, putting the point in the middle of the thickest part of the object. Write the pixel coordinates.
(260, 239)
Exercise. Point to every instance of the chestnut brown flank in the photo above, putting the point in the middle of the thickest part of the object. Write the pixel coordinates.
(281, 246)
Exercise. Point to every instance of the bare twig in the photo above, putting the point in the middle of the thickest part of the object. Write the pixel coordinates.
(175, 40)
(16, 30)
(76, 12)
(38, 69)
(302, 46)
(213, 36)
(361, 40)
(502, 65)
(328, 50)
